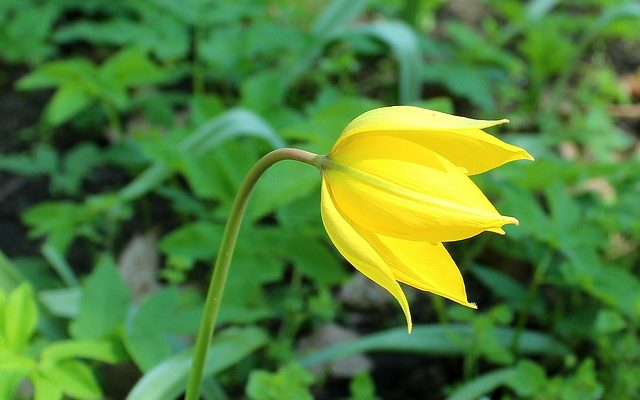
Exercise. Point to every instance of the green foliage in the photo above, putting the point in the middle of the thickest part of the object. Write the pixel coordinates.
(137, 117)
(289, 383)
(103, 303)
(79, 83)
(55, 368)
(362, 387)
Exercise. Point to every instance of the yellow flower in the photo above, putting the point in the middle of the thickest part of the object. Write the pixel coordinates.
(395, 186)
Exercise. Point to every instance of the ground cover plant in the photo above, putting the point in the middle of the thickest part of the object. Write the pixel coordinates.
(127, 128)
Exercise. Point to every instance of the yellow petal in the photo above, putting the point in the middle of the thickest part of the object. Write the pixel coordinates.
(425, 266)
(358, 251)
(397, 188)
(458, 139)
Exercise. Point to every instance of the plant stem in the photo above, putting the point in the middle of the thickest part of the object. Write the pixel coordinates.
(114, 121)
(223, 260)
(538, 276)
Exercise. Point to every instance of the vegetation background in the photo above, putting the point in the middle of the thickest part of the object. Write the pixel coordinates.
(127, 126)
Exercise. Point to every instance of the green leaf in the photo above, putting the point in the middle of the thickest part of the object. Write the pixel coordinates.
(74, 379)
(232, 124)
(506, 287)
(62, 302)
(104, 302)
(25, 32)
(434, 339)
(405, 47)
(608, 321)
(58, 221)
(20, 318)
(106, 351)
(146, 330)
(337, 15)
(57, 261)
(10, 275)
(263, 92)
(197, 241)
(77, 164)
(311, 257)
(484, 384)
(362, 387)
(529, 379)
(69, 100)
(42, 160)
(616, 287)
(253, 266)
(169, 379)
(9, 382)
(131, 67)
(325, 121)
(291, 382)
(58, 73)
(45, 389)
(281, 184)
(464, 80)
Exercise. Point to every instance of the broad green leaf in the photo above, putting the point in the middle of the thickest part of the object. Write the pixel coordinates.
(484, 384)
(330, 24)
(20, 318)
(283, 183)
(147, 328)
(337, 15)
(403, 42)
(57, 73)
(69, 100)
(434, 339)
(104, 303)
(74, 378)
(291, 382)
(232, 124)
(77, 164)
(254, 265)
(25, 33)
(162, 34)
(529, 379)
(611, 14)
(263, 92)
(616, 287)
(131, 67)
(58, 221)
(506, 287)
(311, 257)
(199, 240)
(106, 351)
(9, 382)
(325, 121)
(608, 321)
(42, 159)
(19, 364)
(469, 81)
(362, 387)
(45, 389)
(168, 379)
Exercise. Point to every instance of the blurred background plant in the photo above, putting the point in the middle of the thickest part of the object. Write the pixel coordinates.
(127, 127)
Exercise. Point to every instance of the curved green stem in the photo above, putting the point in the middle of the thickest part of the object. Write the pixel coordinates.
(223, 260)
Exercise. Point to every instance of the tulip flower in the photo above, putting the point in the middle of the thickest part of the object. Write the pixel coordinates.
(395, 186)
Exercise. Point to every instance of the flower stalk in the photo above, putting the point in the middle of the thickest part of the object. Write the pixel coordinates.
(225, 253)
